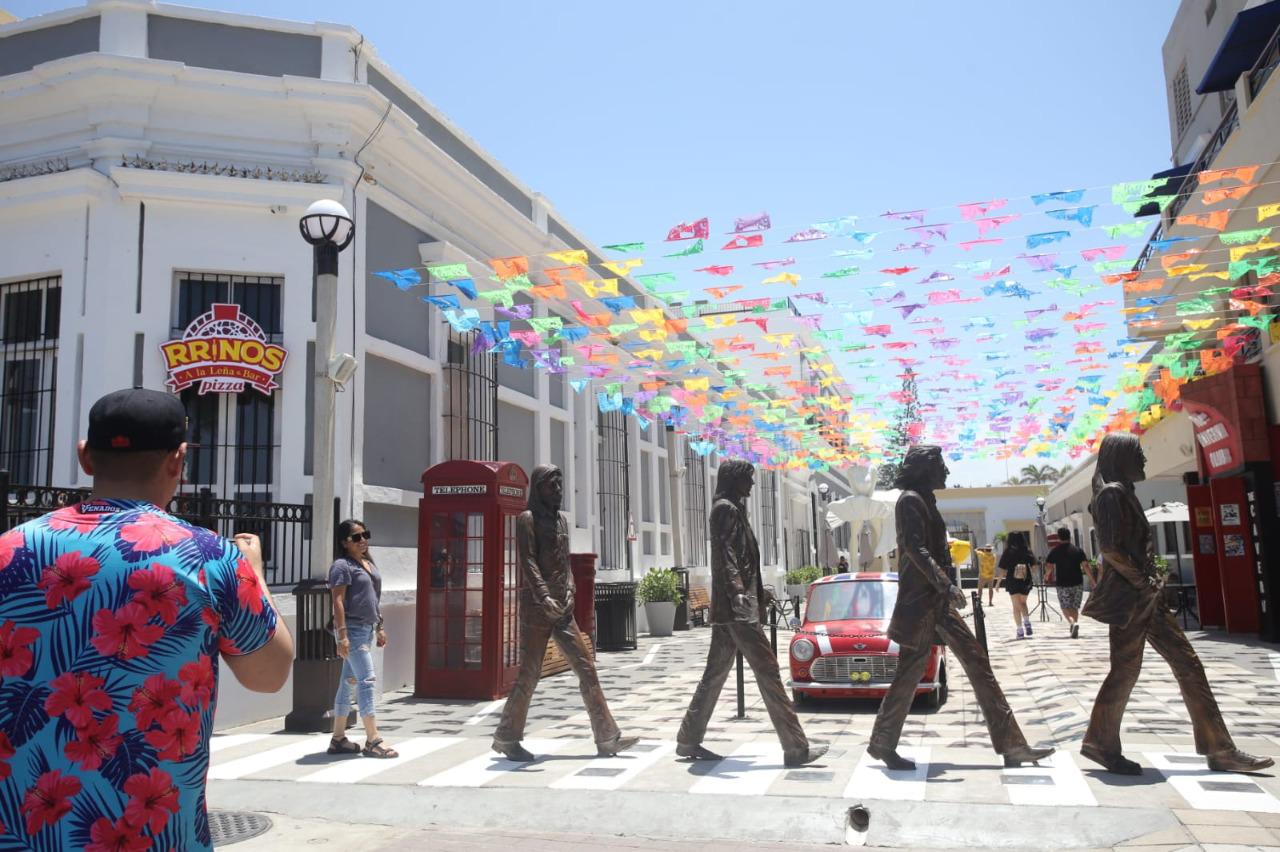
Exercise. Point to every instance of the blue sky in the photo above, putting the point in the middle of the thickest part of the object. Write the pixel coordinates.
(632, 117)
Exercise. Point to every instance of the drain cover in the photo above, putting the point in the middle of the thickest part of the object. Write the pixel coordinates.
(227, 827)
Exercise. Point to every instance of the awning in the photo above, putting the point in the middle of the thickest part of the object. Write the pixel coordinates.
(1173, 181)
(1241, 47)
(1166, 513)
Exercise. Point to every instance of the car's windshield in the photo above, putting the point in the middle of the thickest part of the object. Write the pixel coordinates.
(857, 599)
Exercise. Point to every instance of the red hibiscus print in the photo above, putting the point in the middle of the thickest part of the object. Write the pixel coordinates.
(67, 578)
(71, 519)
(227, 645)
(76, 695)
(6, 752)
(178, 735)
(210, 617)
(10, 542)
(153, 700)
(15, 649)
(118, 836)
(124, 633)
(158, 591)
(152, 532)
(94, 743)
(50, 800)
(153, 797)
(248, 588)
(197, 682)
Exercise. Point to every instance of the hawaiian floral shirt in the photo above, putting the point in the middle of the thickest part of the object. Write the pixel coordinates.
(112, 617)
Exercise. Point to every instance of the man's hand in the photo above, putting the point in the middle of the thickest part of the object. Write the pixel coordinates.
(957, 597)
(551, 608)
(344, 647)
(382, 638)
(251, 549)
(742, 606)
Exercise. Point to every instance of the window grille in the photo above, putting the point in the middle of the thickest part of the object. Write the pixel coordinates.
(233, 439)
(1182, 100)
(769, 517)
(695, 508)
(615, 505)
(471, 400)
(30, 314)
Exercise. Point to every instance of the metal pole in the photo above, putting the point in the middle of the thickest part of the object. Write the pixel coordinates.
(742, 698)
(813, 502)
(979, 620)
(322, 526)
(773, 627)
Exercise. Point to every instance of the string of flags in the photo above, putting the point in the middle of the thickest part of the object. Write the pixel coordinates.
(1024, 321)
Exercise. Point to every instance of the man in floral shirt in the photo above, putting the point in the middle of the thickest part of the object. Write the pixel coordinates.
(113, 616)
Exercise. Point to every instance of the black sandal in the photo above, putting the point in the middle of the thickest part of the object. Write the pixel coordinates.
(375, 748)
(342, 746)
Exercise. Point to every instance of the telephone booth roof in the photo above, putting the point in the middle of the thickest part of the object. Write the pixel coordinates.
(462, 478)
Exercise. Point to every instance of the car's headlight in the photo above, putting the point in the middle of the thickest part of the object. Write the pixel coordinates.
(802, 650)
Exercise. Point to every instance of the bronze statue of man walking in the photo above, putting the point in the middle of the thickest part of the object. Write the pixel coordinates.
(738, 605)
(546, 612)
(1129, 598)
(927, 613)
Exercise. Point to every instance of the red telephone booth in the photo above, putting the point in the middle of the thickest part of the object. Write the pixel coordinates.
(468, 643)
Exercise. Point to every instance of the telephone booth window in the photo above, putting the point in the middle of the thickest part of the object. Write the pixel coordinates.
(469, 579)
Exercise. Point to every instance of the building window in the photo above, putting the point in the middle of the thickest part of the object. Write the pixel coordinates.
(30, 313)
(233, 441)
(769, 517)
(615, 498)
(695, 508)
(470, 399)
(1182, 100)
(646, 487)
(1209, 9)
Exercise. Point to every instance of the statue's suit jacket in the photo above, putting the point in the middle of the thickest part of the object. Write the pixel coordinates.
(735, 566)
(924, 562)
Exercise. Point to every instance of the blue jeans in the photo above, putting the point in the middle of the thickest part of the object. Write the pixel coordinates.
(357, 671)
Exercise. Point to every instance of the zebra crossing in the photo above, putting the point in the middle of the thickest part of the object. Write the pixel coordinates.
(1174, 779)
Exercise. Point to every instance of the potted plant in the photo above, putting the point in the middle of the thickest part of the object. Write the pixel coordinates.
(659, 590)
(798, 580)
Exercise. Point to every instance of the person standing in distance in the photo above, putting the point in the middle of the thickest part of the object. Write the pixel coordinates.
(738, 605)
(114, 617)
(1067, 567)
(546, 612)
(927, 613)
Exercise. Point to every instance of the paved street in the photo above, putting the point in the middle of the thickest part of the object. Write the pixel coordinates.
(959, 795)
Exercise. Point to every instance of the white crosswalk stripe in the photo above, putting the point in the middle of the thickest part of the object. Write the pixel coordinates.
(222, 742)
(1056, 781)
(873, 780)
(360, 769)
(1203, 789)
(270, 758)
(747, 772)
(610, 773)
(487, 768)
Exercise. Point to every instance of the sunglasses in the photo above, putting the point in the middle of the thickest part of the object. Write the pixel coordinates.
(364, 536)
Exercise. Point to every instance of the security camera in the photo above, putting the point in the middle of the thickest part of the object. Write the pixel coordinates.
(341, 368)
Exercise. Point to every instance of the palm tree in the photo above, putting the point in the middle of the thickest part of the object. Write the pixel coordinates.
(1037, 475)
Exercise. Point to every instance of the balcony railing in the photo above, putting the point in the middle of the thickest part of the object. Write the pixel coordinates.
(1229, 123)
(1266, 63)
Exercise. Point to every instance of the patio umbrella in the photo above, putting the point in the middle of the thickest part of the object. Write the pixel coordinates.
(1171, 512)
(1039, 541)
(867, 507)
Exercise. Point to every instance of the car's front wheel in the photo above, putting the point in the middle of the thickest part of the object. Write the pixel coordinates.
(939, 695)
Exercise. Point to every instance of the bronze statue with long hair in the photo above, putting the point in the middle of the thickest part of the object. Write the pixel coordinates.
(927, 613)
(738, 605)
(546, 612)
(1129, 598)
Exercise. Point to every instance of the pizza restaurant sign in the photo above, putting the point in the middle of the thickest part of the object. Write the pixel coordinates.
(223, 350)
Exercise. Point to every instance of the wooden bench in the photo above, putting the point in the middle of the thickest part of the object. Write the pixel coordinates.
(699, 603)
(553, 663)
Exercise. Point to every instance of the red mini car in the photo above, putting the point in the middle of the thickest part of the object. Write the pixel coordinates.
(840, 650)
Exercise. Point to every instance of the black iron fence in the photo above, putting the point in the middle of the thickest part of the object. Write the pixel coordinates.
(284, 528)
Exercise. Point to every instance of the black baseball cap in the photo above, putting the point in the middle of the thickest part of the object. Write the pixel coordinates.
(136, 420)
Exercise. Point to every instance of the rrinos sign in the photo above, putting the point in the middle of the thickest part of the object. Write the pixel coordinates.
(223, 349)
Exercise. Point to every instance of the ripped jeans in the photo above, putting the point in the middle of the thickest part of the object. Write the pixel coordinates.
(357, 671)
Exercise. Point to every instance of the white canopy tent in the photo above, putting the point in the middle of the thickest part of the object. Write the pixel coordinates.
(1167, 513)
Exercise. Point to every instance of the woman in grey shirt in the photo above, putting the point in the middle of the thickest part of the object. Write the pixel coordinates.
(356, 587)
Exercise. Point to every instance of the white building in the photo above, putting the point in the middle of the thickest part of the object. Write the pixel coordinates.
(155, 159)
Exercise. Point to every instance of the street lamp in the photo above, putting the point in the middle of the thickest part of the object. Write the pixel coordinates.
(1040, 507)
(327, 226)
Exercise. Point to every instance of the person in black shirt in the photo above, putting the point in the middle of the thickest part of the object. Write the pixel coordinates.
(1015, 566)
(1067, 565)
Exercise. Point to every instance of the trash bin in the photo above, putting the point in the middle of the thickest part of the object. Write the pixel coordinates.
(616, 616)
(316, 664)
(682, 608)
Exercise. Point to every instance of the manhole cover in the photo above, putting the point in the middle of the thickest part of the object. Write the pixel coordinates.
(227, 827)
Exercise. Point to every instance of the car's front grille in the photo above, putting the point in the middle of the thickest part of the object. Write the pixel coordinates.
(837, 669)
